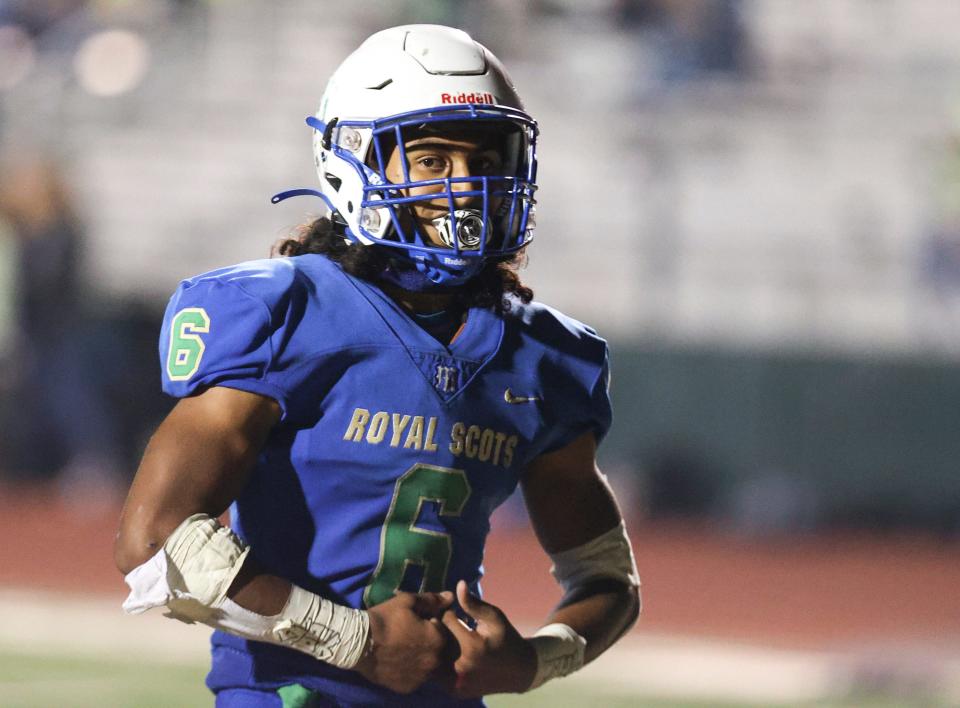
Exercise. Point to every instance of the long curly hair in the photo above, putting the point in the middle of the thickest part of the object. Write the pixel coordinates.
(489, 288)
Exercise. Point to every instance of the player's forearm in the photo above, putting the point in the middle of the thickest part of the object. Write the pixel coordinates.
(258, 591)
(601, 614)
(194, 572)
(202, 574)
(601, 600)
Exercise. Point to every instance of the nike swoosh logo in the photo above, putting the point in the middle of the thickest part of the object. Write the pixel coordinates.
(510, 398)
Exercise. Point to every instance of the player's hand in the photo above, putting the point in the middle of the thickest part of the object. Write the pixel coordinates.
(406, 642)
(494, 658)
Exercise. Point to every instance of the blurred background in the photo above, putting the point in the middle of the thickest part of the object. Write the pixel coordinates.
(757, 202)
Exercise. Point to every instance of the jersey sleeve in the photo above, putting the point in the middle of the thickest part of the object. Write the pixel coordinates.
(600, 411)
(220, 331)
(572, 363)
(586, 407)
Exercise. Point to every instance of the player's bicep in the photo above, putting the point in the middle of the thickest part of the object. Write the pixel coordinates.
(197, 462)
(567, 497)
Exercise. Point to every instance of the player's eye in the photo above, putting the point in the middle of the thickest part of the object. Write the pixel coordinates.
(431, 163)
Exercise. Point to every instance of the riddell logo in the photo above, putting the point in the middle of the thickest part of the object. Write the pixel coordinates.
(467, 98)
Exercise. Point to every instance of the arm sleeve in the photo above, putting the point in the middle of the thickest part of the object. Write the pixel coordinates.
(215, 333)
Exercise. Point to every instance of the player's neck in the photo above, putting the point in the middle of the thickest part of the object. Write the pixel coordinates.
(420, 303)
(438, 314)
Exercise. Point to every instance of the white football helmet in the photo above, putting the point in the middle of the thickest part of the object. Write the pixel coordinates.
(409, 80)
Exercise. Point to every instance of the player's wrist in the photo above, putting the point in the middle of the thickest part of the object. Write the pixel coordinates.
(559, 651)
(332, 633)
(368, 655)
(525, 667)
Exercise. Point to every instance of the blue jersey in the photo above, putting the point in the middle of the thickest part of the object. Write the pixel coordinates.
(393, 449)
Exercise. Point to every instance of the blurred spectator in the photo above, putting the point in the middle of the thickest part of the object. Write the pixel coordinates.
(693, 37)
(59, 423)
(940, 266)
(36, 16)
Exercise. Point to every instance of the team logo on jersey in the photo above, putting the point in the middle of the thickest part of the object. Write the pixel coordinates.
(446, 379)
(446, 375)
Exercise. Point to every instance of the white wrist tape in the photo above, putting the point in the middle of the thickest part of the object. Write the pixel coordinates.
(325, 630)
(609, 555)
(191, 574)
(560, 651)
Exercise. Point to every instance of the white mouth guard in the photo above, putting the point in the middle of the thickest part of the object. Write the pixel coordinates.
(469, 229)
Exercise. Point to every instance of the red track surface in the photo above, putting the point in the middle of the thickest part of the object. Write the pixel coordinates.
(818, 592)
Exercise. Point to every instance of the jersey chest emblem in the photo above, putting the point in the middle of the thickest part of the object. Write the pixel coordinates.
(446, 379)
(448, 375)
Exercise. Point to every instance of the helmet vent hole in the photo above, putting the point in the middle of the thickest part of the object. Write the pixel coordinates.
(333, 180)
(381, 85)
(350, 207)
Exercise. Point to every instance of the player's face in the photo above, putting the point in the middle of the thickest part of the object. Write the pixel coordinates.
(450, 155)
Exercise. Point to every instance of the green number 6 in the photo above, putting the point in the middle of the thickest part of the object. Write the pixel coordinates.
(186, 345)
(402, 543)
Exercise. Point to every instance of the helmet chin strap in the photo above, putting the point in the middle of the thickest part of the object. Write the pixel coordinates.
(424, 274)
(415, 276)
(302, 192)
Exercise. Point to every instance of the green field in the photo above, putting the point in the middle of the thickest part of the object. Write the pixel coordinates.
(28, 681)
(33, 681)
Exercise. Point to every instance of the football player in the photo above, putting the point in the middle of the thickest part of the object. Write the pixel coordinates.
(363, 403)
